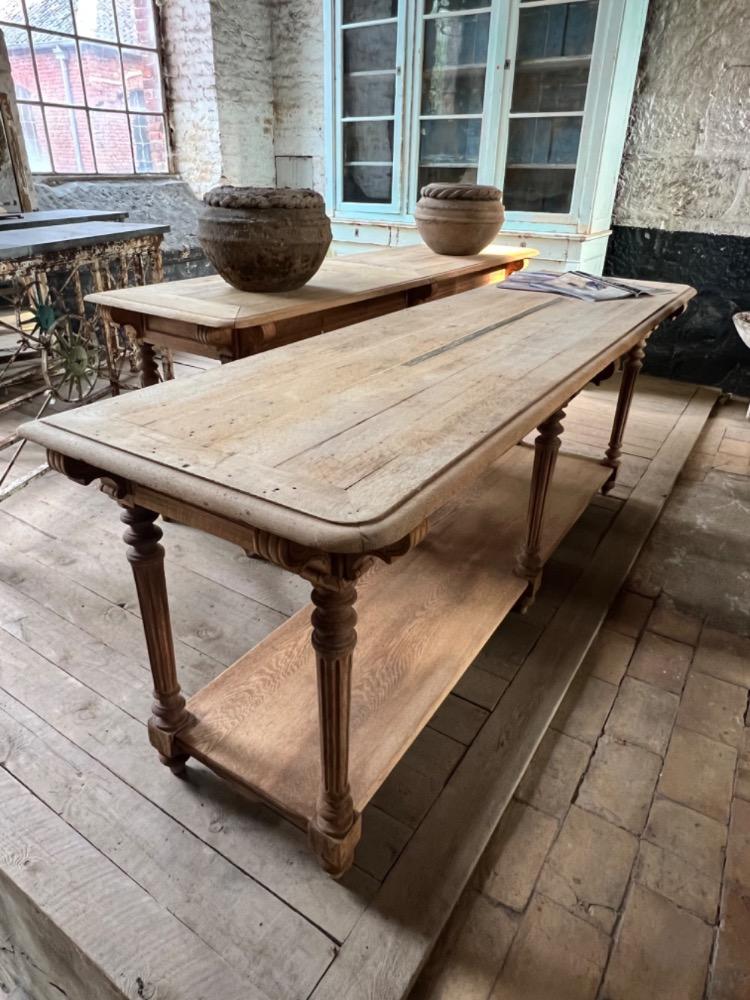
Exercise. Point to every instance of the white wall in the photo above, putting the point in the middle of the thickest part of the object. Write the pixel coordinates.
(687, 159)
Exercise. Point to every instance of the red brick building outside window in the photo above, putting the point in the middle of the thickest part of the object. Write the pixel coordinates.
(88, 83)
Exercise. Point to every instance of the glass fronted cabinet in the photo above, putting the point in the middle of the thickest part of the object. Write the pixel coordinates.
(530, 95)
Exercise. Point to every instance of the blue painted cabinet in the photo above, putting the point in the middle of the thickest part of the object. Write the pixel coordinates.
(530, 95)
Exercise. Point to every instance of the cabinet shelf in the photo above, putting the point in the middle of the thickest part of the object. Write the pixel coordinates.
(540, 166)
(551, 62)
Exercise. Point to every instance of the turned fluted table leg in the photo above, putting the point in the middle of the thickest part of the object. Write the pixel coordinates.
(147, 364)
(335, 829)
(546, 446)
(631, 367)
(146, 556)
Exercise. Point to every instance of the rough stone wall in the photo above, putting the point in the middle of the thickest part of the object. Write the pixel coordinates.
(683, 207)
(298, 54)
(687, 159)
(244, 84)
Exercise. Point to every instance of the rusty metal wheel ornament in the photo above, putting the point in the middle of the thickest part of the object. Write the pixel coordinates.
(71, 361)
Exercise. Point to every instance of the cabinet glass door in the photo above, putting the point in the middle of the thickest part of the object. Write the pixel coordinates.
(553, 59)
(454, 66)
(369, 45)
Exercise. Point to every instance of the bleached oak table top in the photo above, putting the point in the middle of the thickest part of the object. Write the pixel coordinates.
(347, 441)
(211, 302)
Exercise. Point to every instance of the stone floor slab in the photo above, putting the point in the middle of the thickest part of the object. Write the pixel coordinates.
(469, 954)
(662, 662)
(714, 708)
(585, 708)
(742, 781)
(619, 784)
(674, 877)
(609, 656)
(510, 865)
(738, 847)
(644, 715)
(588, 868)
(553, 775)
(724, 655)
(690, 835)
(661, 952)
(668, 620)
(730, 979)
(699, 773)
(554, 954)
(629, 613)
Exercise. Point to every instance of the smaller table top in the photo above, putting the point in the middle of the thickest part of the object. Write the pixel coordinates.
(212, 302)
(15, 244)
(348, 441)
(58, 217)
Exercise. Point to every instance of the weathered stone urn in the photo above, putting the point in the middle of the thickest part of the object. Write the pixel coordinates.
(264, 239)
(459, 219)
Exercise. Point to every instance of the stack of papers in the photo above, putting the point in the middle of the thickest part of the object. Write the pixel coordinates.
(575, 284)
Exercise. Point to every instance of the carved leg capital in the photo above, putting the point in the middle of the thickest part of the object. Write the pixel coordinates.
(146, 557)
(335, 829)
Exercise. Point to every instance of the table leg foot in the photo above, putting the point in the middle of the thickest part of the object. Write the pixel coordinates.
(335, 853)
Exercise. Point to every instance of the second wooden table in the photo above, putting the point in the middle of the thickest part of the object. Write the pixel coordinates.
(206, 316)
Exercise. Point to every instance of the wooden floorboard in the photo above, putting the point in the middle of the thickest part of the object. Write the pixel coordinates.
(234, 884)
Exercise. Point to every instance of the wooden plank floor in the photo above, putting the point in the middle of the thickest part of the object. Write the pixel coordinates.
(133, 870)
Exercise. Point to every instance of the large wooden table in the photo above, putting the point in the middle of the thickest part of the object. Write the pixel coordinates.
(206, 316)
(393, 441)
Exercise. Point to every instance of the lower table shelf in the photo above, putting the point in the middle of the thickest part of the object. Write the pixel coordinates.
(422, 621)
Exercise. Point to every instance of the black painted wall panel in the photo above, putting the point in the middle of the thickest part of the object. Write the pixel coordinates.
(702, 345)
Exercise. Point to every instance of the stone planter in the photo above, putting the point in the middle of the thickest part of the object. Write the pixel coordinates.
(264, 239)
(459, 219)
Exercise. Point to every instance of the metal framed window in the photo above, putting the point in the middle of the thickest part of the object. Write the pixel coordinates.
(89, 85)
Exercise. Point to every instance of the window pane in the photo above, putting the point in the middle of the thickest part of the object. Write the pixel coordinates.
(69, 141)
(368, 184)
(369, 142)
(111, 142)
(543, 141)
(57, 65)
(447, 175)
(542, 190)
(550, 89)
(455, 54)
(35, 138)
(149, 144)
(135, 19)
(21, 63)
(11, 10)
(365, 96)
(450, 142)
(95, 19)
(142, 80)
(565, 29)
(101, 70)
(54, 15)
(369, 10)
(370, 48)
(438, 6)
